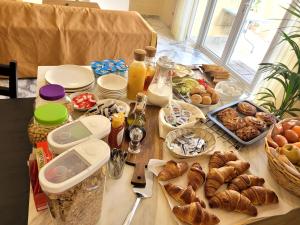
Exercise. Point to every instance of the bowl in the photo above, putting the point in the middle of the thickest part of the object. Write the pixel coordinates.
(72, 96)
(208, 137)
(229, 90)
(112, 82)
(118, 102)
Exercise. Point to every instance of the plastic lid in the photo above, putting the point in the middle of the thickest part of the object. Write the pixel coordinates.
(51, 114)
(117, 120)
(73, 166)
(52, 92)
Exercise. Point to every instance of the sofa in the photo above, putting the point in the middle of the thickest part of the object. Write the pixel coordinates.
(38, 35)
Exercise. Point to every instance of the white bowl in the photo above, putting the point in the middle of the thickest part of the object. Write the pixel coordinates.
(112, 82)
(226, 90)
(118, 102)
(78, 93)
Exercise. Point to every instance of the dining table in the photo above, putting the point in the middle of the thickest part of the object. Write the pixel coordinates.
(119, 197)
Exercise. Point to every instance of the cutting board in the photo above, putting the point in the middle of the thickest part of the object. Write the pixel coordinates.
(151, 147)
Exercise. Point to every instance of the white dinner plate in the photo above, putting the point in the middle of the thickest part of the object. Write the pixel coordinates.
(70, 76)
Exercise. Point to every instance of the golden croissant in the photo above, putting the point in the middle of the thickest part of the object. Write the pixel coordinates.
(194, 214)
(183, 195)
(172, 170)
(239, 165)
(219, 159)
(196, 176)
(260, 195)
(245, 181)
(231, 200)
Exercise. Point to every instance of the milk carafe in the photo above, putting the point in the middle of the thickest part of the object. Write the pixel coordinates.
(160, 90)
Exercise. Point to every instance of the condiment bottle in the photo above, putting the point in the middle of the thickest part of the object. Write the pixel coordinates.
(115, 137)
(140, 103)
(136, 74)
(160, 90)
(150, 65)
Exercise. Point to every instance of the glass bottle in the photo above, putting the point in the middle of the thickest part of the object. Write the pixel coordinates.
(150, 65)
(139, 105)
(136, 74)
(160, 90)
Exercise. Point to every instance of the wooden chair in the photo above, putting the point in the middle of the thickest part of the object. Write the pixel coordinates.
(9, 71)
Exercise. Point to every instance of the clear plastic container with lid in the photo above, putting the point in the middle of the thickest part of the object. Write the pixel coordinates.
(74, 183)
(46, 118)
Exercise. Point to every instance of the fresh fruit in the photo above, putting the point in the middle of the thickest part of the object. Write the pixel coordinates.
(280, 140)
(297, 130)
(288, 125)
(278, 129)
(291, 136)
(292, 153)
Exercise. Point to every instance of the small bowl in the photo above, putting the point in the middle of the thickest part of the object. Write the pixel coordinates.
(112, 82)
(79, 93)
(204, 134)
(225, 96)
(118, 102)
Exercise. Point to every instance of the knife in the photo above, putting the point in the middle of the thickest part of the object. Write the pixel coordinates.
(141, 193)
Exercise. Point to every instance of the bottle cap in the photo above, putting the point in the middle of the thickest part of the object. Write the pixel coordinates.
(150, 51)
(140, 97)
(117, 120)
(139, 54)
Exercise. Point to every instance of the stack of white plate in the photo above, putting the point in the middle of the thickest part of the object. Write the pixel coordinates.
(112, 86)
(73, 78)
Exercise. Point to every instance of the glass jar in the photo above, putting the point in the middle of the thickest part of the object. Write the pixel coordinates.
(46, 118)
(150, 65)
(160, 90)
(53, 93)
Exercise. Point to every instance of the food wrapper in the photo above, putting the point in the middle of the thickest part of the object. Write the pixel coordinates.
(226, 217)
(109, 66)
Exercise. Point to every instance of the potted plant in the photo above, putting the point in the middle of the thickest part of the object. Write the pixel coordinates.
(288, 78)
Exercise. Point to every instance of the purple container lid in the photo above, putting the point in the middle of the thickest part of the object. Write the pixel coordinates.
(52, 92)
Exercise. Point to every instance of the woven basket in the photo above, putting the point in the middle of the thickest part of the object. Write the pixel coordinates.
(283, 171)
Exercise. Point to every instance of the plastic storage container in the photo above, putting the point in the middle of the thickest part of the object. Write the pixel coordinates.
(46, 118)
(74, 183)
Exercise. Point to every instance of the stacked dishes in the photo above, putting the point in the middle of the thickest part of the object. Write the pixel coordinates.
(73, 78)
(112, 86)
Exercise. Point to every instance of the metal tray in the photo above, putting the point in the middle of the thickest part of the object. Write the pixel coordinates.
(212, 115)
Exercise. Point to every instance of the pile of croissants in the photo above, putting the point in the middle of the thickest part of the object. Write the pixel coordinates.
(243, 192)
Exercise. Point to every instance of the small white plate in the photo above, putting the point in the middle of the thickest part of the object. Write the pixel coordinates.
(118, 102)
(78, 93)
(112, 82)
(70, 76)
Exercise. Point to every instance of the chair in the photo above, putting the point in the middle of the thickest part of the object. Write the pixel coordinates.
(9, 71)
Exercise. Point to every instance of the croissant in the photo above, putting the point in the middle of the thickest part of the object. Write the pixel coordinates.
(231, 200)
(245, 181)
(219, 159)
(260, 195)
(216, 177)
(239, 165)
(196, 176)
(194, 214)
(183, 196)
(172, 170)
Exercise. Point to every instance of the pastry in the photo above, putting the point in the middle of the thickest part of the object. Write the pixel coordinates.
(234, 124)
(215, 98)
(231, 200)
(194, 214)
(246, 108)
(196, 176)
(206, 100)
(245, 181)
(196, 99)
(239, 165)
(257, 123)
(198, 90)
(260, 195)
(216, 177)
(268, 118)
(227, 113)
(247, 133)
(172, 170)
(219, 159)
(183, 196)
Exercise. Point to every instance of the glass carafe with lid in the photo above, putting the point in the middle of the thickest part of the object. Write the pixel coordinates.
(160, 90)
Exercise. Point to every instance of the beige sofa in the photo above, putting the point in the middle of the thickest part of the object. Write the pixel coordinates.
(37, 35)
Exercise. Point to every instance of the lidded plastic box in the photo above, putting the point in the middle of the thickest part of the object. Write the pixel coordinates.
(74, 183)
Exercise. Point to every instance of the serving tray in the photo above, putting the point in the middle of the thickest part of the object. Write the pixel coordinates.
(212, 115)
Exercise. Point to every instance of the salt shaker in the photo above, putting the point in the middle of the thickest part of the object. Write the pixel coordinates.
(136, 135)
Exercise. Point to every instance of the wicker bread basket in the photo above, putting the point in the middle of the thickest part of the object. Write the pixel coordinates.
(283, 171)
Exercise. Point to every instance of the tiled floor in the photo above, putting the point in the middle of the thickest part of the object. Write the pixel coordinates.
(180, 52)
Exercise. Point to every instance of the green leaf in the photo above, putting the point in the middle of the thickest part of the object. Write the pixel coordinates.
(294, 109)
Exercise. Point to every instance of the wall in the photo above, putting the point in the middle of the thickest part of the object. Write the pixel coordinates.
(167, 11)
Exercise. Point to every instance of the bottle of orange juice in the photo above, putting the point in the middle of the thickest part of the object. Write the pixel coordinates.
(136, 74)
(150, 64)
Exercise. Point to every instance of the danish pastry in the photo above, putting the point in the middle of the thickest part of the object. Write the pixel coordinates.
(234, 124)
(268, 118)
(228, 113)
(253, 121)
(247, 133)
(246, 108)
